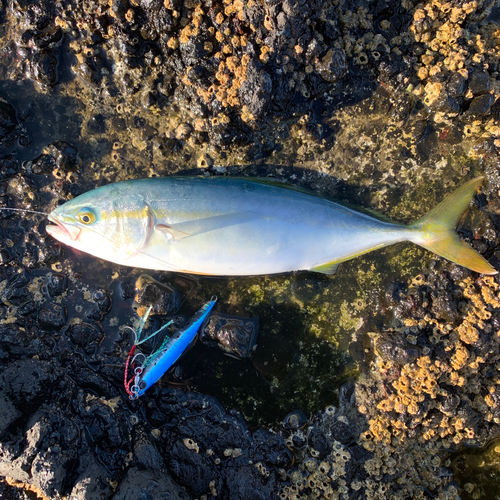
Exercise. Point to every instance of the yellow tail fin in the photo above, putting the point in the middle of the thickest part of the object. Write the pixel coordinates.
(436, 230)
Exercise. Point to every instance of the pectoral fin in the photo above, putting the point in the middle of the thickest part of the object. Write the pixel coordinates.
(171, 232)
(196, 227)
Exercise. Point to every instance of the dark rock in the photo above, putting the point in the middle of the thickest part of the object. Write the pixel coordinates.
(16, 293)
(147, 456)
(333, 66)
(481, 105)
(97, 124)
(445, 307)
(235, 335)
(49, 450)
(392, 346)
(57, 284)
(164, 299)
(127, 289)
(297, 419)
(82, 334)
(191, 468)
(317, 441)
(448, 404)
(270, 449)
(44, 67)
(26, 380)
(8, 120)
(249, 482)
(149, 485)
(90, 478)
(255, 91)
(43, 165)
(8, 412)
(479, 82)
(52, 317)
(65, 155)
(194, 50)
(457, 85)
(103, 300)
(343, 432)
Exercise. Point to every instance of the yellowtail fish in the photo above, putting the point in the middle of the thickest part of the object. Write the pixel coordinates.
(229, 226)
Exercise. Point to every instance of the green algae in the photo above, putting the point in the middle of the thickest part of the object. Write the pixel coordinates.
(478, 471)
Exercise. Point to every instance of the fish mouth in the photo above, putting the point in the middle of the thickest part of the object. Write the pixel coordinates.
(60, 231)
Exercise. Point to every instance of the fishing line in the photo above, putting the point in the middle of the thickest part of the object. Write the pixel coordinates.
(24, 210)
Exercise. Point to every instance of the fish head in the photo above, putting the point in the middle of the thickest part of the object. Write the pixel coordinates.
(107, 222)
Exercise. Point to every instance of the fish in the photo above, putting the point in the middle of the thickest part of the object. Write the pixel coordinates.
(160, 361)
(237, 226)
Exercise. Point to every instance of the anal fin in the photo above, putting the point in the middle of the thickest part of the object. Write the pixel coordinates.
(329, 268)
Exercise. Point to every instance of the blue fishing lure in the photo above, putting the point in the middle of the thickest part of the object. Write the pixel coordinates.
(159, 361)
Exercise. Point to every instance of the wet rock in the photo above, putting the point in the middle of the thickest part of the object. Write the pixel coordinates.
(235, 335)
(57, 284)
(202, 445)
(456, 86)
(18, 295)
(65, 155)
(26, 380)
(44, 67)
(49, 449)
(445, 307)
(271, 449)
(8, 119)
(97, 124)
(391, 345)
(317, 441)
(145, 484)
(191, 468)
(83, 334)
(248, 482)
(343, 431)
(479, 82)
(127, 289)
(146, 455)
(295, 420)
(333, 66)
(481, 105)
(52, 317)
(164, 299)
(103, 300)
(256, 90)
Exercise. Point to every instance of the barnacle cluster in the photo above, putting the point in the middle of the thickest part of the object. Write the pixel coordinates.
(439, 392)
(225, 39)
(316, 478)
(457, 60)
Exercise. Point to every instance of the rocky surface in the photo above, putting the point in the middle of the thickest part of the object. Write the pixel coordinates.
(387, 105)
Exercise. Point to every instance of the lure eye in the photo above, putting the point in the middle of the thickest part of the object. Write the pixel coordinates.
(86, 217)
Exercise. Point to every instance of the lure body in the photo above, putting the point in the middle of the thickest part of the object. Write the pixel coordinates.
(237, 226)
(161, 361)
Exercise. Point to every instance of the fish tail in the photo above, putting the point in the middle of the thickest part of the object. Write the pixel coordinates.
(436, 230)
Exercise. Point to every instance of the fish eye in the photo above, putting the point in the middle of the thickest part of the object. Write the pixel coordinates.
(86, 217)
